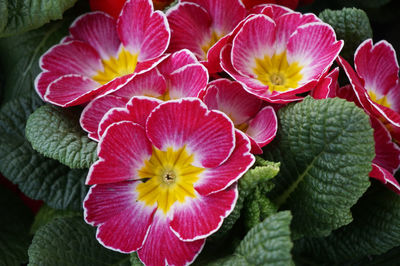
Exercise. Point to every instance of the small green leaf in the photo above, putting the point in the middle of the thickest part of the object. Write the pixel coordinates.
(47, 214)
(325, 148)
(56, 133)
(375, 230)
(70, 241)
(351, 25)
(15, 221)
(134, 260)
(38, 177)
(18, 16)
(268, 243)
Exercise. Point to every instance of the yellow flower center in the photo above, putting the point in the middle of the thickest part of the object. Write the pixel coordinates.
(277, 73)
(114, 67)
(382, 100)
(214, 37)
(168, 177)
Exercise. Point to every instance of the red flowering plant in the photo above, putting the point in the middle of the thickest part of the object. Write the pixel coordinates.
(198, 132)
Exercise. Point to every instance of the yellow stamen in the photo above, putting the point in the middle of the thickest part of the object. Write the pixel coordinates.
(382, 100)
(124, 64)
(170, 177)
(214, 37)
(277, 73)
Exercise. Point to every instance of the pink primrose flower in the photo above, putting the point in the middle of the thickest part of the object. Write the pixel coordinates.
(387, 153)
(102, 54)
(165, 178)
(177, 76)
(376, 82)
(276, 53)
(247, 112)
(198, 25)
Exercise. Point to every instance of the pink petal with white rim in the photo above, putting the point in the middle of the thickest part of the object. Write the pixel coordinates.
(202, 216)
(123, 221)
(263, 127)
(255, 39)
(287, 24)
(43, 80)
(162, 247)
(136, 110)
(385, 177)
(122, 151)
(95, 110)
(271, 10)
(219, 178)
(99, 30)
(223, 19)
(327, 86)
(377, 66)
(230, 98)
(190, 28)
(387, 153)
(73, 57)
(70, 90)
(209, 135)
(315, 47)
(143, 31)
(150, 83)
(188, 81)
(177, 60)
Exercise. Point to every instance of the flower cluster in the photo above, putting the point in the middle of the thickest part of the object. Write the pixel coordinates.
(175, 134)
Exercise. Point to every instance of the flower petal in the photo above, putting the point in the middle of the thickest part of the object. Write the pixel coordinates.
(202, 216)
(136, 110)
(143, 31)
(70, 90)
(73, 57)
(209, 135)
(385, 177)
(123, 221)
(327, 86)
(263, 127)
(99, 30)
(43, 81)
(122, 151)
(177, 60)
(219, 178)
(188, 81)
(163, 247)
(94, 112)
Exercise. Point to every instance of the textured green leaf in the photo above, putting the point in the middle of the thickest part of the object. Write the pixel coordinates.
(70, 241)
(351, 25)
(19, 55)
(18, 16)
(134, 260)
(268, 243)
(56, 133)
(375, 230)
(14, 229)
(47, 214)
(325, 148)
(38, 177)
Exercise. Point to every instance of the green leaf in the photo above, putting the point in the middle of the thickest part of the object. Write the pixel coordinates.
(38, 177)
(375, 230)
(134, 260)
(325, 148)
(268, 243)
(14, 229)
(70, 241)
(47, 214)
(351, 25)
(18, 16)
(56, 133)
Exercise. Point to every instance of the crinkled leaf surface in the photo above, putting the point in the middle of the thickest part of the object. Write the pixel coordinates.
(375, 230)
(38, 177)
(56, 133)
(70, 241)
(268, 243)
(351, 25)
(18, 16)
(15, 221)
(325, 148)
